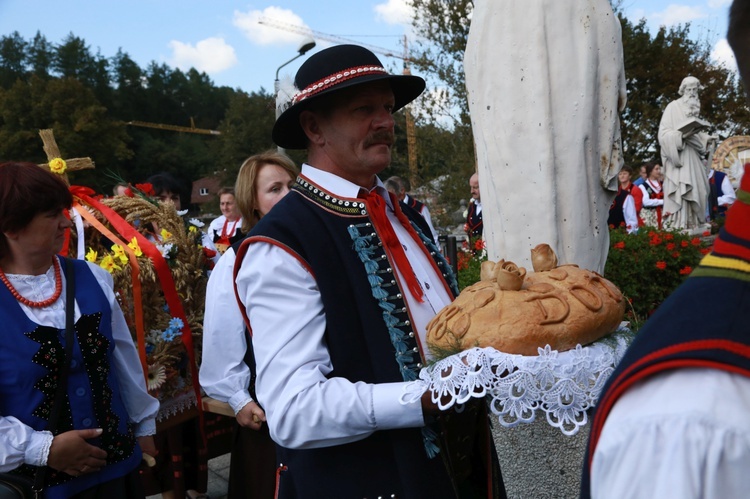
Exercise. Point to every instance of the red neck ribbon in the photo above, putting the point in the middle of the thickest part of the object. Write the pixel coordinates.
(376, 207)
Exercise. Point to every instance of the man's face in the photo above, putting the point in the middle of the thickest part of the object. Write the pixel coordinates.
(644, 175)
(474, 186)
(356, 131)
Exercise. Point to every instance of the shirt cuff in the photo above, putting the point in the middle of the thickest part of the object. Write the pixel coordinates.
(239, 400)
(37, 452)
(390, 413)
(145, 428)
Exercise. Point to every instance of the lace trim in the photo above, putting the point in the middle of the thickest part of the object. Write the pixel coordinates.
(564, 385)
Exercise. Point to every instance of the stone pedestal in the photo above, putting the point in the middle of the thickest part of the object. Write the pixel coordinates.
(538, 461)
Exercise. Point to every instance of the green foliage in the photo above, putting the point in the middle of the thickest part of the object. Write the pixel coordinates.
(88, 100)
(655, 64)
(470, 259)
(650, 265)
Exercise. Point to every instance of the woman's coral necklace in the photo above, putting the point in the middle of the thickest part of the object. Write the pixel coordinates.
(36, 304)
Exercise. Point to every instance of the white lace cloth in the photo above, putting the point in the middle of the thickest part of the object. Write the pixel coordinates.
(562, 384)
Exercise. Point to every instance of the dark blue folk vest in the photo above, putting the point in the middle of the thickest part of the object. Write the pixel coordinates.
(29, 358)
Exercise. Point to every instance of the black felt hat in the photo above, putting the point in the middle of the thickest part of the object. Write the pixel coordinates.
(332, 69)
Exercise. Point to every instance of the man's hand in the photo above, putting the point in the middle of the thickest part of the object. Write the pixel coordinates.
(251, 416)
(71, 454)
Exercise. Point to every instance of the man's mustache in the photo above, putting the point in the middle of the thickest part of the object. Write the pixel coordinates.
(381, 137)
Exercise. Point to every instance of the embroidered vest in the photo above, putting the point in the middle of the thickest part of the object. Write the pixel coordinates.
(684, 332)
(474, 221)
(714, 184)
(370, 339)
(616, 215)
(30, 356)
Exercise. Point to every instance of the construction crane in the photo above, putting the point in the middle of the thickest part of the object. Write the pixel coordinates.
(175, 128)
(411, 138)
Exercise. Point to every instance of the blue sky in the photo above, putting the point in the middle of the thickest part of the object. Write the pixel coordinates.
(224, 39)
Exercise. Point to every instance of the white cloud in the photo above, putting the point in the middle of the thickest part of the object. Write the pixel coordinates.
(718, 4)
(211, 55)
(678, 14)
(394, 12)
(282, 26)
(723, 54)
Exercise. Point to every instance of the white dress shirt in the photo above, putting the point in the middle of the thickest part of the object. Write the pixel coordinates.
(628, 211)
(20, 443)
(683, 433)
(304, 408)
(223, 372)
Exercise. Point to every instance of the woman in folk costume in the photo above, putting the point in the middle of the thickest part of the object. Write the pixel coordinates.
(226, 229)
(105, 416)
(225, 374)
(653, 196)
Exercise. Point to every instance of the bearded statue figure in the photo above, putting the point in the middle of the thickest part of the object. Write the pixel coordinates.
(684, 145)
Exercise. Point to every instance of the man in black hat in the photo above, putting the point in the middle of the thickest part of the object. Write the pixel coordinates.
(338, 285)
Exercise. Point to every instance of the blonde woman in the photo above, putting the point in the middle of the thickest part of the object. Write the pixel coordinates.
(262, 181)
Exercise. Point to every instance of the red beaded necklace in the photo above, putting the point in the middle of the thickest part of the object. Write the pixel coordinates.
(36, 304)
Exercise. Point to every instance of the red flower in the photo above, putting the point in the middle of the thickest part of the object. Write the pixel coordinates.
(611, 226)
(129, 192)
(479, 245)
(686, 270)
(675, 255)
(695, 241)
(684, 244)
(620, 245)
(707, 233)
(147, 189)
(661, 265)
(705, 251)
(655, 241)
(669, 237)
(670, 246)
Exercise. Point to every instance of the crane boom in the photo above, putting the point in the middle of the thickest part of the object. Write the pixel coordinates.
(173, 128)
(303, 30)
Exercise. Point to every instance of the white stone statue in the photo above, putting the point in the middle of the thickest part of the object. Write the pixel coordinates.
(546, 81)
(683, 145)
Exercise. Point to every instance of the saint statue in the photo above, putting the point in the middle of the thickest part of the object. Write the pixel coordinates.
(684, 145)
(546, 83)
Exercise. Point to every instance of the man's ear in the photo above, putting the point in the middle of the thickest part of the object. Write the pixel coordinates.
(311, 126)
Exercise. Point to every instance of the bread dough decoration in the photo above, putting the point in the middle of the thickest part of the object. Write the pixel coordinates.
(515, 312)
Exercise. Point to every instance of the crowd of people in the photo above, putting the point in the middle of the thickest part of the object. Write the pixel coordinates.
(315, 320)
(640, 203)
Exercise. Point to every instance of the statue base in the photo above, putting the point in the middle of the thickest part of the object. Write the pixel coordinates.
(539, 461)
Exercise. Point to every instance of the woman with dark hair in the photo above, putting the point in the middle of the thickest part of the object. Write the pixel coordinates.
(627, 202)
(653, 197)
(107, 417)
(225, 375)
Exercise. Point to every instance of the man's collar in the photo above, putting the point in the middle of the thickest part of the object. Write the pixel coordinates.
(339, 186)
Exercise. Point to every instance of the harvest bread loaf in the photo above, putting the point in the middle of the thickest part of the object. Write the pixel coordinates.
(517, 313)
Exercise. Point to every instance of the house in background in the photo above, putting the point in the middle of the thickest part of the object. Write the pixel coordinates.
(204, 191)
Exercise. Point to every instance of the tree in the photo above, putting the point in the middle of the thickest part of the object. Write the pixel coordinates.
(654, 67)
(12, 59)
(245, 130)
(80, 123)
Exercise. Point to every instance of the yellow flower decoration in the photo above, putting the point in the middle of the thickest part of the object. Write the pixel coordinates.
(91, 255)
(165, 234)
(58, 166)
(133, 244)
(119, 252)
(192, 228)
(108, 264)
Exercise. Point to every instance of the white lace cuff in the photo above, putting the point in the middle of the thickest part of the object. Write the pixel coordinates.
(562, 384)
